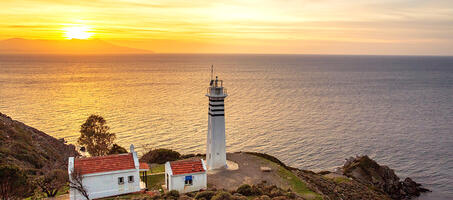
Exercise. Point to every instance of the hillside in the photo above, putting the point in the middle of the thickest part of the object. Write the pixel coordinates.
(74, 46)
(29, 148)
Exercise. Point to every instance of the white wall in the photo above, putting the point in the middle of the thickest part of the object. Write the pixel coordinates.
(216, 152)
(177, 182)
(105, 185)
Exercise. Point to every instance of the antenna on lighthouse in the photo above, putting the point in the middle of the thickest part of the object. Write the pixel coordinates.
(212, 74)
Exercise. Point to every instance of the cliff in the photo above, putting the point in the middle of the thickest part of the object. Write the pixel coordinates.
(29, 148)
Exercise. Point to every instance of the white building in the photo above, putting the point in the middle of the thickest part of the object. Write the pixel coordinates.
(216, 150)
(105, 176)
(185, 175)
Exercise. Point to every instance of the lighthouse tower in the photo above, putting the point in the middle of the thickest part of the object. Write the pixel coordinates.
(216, 153)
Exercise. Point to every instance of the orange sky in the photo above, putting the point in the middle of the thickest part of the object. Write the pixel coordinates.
(264, 26)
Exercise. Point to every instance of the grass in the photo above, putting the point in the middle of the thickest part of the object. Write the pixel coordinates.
(296, 185)
(156, 181)
(126, 196)
(341, 179)
(158, 168)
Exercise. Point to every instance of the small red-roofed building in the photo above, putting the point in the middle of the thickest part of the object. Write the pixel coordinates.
(186, 175)
(106, 176)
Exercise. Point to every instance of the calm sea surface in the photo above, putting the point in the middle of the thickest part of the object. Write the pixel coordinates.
(310, 111)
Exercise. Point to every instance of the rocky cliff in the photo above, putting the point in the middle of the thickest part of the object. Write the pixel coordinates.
(361, 178)
(369, 172)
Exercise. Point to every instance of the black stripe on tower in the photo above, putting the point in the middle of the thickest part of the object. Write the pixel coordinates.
(220, 105)
(213, 110)
(213, 100)
(215, 115)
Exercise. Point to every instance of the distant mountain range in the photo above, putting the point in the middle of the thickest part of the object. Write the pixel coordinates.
(74, 46)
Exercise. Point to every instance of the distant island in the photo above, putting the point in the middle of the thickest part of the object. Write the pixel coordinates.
(73, 46)
(29, 153)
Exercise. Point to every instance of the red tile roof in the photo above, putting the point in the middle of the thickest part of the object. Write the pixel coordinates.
(144, 166)
(186, 166)
(104, 163)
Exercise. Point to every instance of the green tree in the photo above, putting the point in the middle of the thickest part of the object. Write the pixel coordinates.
(52, 181)
(95, 136)
(117, 149)
(13, 183)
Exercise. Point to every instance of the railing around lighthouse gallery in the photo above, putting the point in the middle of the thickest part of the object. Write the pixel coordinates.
(217, 91)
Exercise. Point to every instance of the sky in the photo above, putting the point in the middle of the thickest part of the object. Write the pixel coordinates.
(396, 27)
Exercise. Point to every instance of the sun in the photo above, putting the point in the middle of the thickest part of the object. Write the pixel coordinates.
(77, 32)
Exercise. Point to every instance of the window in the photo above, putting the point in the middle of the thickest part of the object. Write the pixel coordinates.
(130, 179)
(120, 180)
(188, 180)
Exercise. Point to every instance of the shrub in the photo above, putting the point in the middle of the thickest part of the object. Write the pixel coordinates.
(222, 195)
(263, 197)
(276, 192)
(256, 190)
(245, 189)
(280, 198)
(184, 197)
(187, 156)
(237, 196)
(291, 195)
(172, 194)
(160, 156)
(205, 194)
(13, 183)
(116, 149)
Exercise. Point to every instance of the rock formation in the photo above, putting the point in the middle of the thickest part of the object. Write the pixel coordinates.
(367, 171)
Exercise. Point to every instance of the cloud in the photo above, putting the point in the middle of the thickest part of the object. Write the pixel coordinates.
(366, 21)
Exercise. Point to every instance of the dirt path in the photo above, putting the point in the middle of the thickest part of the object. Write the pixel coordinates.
(249, 172)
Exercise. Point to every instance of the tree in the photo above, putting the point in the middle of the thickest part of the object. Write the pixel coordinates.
(117, 149)
(52, 181)
(76, 183)
(13, 183)
(160, 156)
(95, 136)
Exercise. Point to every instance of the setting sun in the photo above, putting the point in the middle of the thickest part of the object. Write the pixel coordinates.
(77, 32)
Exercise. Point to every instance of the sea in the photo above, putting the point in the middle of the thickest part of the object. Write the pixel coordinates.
(310, 111)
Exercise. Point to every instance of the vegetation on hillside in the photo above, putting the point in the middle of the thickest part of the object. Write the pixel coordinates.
(13, 183)
(28, 156)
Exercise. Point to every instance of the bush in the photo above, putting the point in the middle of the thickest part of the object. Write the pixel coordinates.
(237, 196)
(280, 198)
(13, 183)
(205, 194)
(184, 197)
(222, 195)
(291, 195)
(276, 192)
(263, 197)
(172, 194)
(160, 156)
(245, 189)
(256, 190)
(187, 156)
(116, 149)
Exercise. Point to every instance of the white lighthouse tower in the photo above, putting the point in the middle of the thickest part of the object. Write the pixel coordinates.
(216, 153)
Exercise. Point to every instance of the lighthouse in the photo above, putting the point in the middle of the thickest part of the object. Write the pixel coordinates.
(216, 153)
